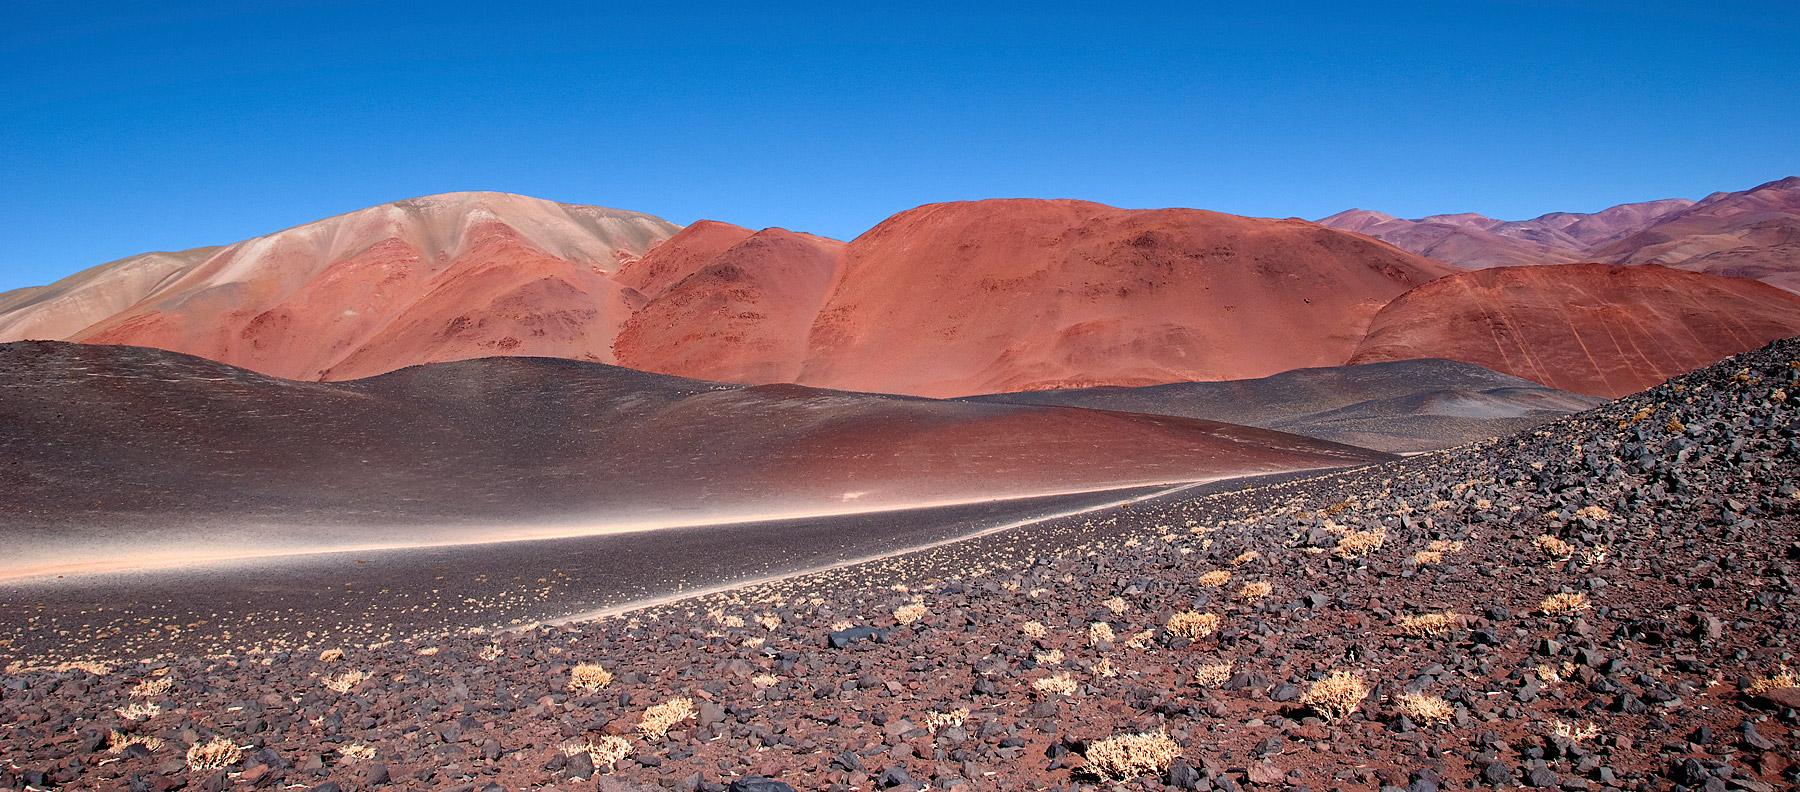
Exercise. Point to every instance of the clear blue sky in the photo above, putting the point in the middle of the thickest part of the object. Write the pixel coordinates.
(136, 127)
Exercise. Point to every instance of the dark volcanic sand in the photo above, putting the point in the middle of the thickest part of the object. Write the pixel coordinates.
(1675, 518)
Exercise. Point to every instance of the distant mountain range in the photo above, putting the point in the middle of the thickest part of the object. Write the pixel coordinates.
(1751, 234)
(956, 299)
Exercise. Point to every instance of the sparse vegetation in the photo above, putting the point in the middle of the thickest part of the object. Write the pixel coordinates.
(1100, 634)
(1033, 629)
(605, 752)
(1429, 625)
(152, 687)
(1579, 731)
(118, 741)
(139, 710)
(657, 720)
(1359, 544)
(345, 682)
(589, 677)
(214, 754)
(936, 721)
(1779, 680)
(1213, 674)
(1555, 547)
(1245, 558)
(331, 655)
(1336, 695)
(907, 614)
(1256, 591)
(352, 753)
(1062, 684)
(1563, 602)
(1132, 755)
(1215, 578)
(1193, 625)
(1425, 708)
(1117, 605)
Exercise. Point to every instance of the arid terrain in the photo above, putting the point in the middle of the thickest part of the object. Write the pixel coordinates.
(1604, 601)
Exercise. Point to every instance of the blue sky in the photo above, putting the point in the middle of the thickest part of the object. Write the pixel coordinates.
(127, 127)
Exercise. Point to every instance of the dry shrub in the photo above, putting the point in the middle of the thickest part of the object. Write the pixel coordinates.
(1052, 657)
(345, 682)
(659, 719)
(1675, 426)
(1193, 625)
(589, 677)
(1780, 680)
(1429, 625)
(118, 741)
(1062, 684)
(936, 721)
(356, 752)
(331, 655)
(907, 614)
(1595, 513)
(1563, 603)
(1425, 709)
(768, 621)
(1213, 674)
(214, 754)
(1555, 547)
(1578, 731)
(1215, 578)
(1245, 558)
(1132, 755)
(605, 753)
(1336, 695)
(1100, 633)
(1424, 557)
(152, 687)
(1117, 605)
(95, 667)
(1256, 591)
(139, 710)
(765, 680)
(1033, 629)
(1358, 544)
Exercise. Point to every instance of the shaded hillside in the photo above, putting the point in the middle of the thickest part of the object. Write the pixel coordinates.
(1402, 406)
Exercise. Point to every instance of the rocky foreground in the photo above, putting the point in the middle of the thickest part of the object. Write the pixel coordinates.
(1606, 602)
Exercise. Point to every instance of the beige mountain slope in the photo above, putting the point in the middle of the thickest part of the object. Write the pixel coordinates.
(68, 306)
(444, 277)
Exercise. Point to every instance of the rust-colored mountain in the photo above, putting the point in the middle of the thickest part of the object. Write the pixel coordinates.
(446, 277)
(1599, 329)
(1751, 234)
(1006, 295)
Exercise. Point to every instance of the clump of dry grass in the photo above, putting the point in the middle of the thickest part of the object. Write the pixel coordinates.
(152, 687)
(589, 677)
(1425, 709)
(768, 622)
(659, 719)
(139, 710)
(214, 754)
(1215, 578)
(1780, 680)
(1555, 547)
(1033, 629)
(118, 741)
(1675, 426)
(331, 655)
(907, 614)
(1256, 591)
(95, 667)
(1595, 513)
(345, 682)
(936, 721)
(1052, 657)
(765, 680)
(1245, 558)
(604, 753)
(1193, 625)
(1429, 625)
(1062, 684)
(1117, 605)
(1131, 755)
(1213, 674)
(1563, 602)
(1336, 695)
(1100, 634)
(1359, 544)
(1579, 731)
(353, 753)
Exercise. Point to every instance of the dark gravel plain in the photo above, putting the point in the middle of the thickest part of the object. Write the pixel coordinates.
(1614, 597)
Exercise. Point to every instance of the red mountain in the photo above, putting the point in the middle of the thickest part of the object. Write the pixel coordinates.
(1598, 329)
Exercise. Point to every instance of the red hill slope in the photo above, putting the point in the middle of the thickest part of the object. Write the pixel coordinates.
(1598, 329)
